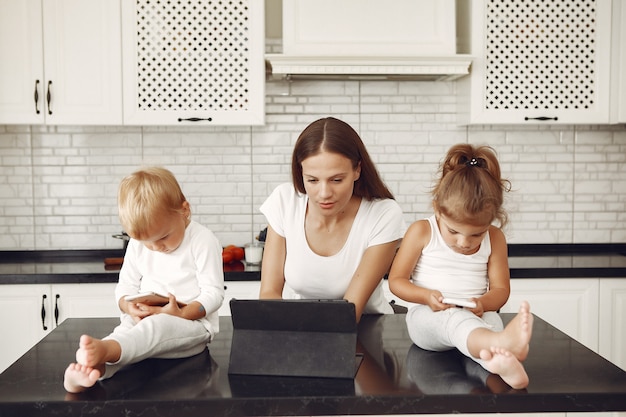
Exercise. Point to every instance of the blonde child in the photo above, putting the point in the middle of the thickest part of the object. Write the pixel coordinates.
(458, 253)
(169, 254)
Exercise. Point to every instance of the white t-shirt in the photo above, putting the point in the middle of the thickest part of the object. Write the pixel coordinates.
(193, 272)
(454, 274)
(313, 276)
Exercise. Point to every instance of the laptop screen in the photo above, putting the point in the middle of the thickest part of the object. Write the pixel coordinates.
(294, 315)
(304, 338)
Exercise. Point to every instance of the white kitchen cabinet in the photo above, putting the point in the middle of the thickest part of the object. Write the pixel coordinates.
(569, 304)
(22, 326)
(367, 39)
(193, 63)
(61, 62)
(369, 28)
(30, 312)
(538, 62)
(242, 290)
(612, 319)
(618, 69)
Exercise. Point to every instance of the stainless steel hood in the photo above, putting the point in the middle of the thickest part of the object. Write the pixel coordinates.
(422, 68)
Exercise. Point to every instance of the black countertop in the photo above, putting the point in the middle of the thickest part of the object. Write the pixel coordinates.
(83, 267)
(395, 377)
(525, 261)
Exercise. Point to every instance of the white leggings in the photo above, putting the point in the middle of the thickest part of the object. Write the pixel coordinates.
(156, 336)
(448, 329)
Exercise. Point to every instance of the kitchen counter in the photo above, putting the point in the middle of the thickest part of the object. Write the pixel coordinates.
(84, 267)
(525, 261)
(395, 377)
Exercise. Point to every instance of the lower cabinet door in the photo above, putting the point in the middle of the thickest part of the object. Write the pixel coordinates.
(29, 312)
(569, 304)
(24, 319)
(83, 300)
(612, 317)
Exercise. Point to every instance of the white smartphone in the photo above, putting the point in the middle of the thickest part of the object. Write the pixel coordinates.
(459, 302)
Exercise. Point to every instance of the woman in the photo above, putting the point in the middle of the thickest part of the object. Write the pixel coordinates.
(333, 233)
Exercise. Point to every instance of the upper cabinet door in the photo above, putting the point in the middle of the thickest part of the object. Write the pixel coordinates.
(193, 62)
(61, 62)
(618, 68)
(83, 61)
(21, 71)
(369, 28)
(540, 62)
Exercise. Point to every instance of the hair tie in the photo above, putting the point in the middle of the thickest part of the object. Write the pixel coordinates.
(475, 162)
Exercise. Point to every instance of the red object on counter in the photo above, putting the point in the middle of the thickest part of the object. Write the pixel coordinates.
(234, 266)
(232, 253)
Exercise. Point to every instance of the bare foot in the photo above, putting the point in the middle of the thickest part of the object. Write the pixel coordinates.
(515, 337)
(519, 331)
(502, 362)
(95, 353)
(79, 377)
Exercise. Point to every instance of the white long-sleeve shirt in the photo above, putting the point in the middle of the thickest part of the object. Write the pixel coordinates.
(193, 272)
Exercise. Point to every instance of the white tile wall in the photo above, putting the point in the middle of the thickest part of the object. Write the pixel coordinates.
(58, 184)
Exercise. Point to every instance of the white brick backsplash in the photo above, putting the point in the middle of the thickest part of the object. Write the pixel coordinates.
(58, 184)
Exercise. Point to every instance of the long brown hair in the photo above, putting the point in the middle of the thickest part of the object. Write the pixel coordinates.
(470, 188)
(333, 135)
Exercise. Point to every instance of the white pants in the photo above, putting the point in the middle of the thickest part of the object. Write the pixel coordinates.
(156, 336)
(448, 329)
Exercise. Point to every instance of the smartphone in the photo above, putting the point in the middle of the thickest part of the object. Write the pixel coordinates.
(151, 298)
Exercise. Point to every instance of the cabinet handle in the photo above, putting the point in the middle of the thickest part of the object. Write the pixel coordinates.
(194, 119)
(49, 96)
(56, 310)
(37, 96)
(43, 312)
(542, 118)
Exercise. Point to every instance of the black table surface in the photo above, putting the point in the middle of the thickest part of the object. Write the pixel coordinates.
(395, 377)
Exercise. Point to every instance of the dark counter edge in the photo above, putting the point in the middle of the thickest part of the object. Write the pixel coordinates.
(436, 404)
(59, 256)
(514, 249)
(98, 255)
(565, 249)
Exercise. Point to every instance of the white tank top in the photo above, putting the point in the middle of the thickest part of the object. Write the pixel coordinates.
(454, 274)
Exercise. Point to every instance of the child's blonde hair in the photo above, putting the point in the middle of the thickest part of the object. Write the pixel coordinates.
(470, 189)
(146, 194)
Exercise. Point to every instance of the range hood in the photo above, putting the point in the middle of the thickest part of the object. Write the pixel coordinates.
(371, 40)
(421, 68)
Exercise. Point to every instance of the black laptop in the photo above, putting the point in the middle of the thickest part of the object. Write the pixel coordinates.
(301, 338)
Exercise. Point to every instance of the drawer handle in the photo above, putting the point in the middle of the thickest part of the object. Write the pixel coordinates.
(56, 310)
(194, 119)
(542, 118)
(43, 312)
(37, 96)
(49, 96)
